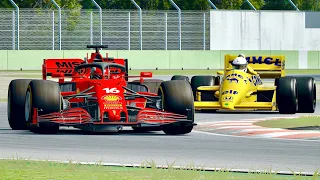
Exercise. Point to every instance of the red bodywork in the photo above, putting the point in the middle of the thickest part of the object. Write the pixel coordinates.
(112, 101)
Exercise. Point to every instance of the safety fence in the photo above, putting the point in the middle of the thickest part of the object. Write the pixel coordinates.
(47, 29)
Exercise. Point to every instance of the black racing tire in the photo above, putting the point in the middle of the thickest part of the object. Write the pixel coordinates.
(287, 95)
(197, 81)
(152, 84)
(177, 98)
(307, 99)
(15, 104)
(276, 81)
(44, 95)
(180, 77)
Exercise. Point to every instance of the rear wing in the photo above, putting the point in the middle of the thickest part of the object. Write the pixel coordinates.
(58, 66)
(67, 66)
(265, 66)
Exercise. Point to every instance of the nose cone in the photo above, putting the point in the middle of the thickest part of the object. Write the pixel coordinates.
(227, 105)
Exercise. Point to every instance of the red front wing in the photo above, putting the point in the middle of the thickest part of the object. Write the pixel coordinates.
(79, 116)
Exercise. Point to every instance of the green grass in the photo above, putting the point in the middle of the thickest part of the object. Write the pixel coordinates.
(34, 76)
(3, 99)
(303, 121)
(24, 169)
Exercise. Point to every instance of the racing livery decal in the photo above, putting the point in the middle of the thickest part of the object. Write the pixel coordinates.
(260, 60)
(112, 102)
(233, 80)
(117, 105)
(111, 98)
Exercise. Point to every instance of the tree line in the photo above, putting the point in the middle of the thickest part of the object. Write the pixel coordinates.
(304, 5)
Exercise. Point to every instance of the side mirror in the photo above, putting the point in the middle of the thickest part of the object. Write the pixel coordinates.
(220, 73)
(146, 74)
(217, 94)
(57, 75)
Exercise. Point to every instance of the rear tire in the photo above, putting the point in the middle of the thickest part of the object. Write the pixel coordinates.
(177, 98)
(287, 95)
(44, 95)
(306, 94)
(180, 77)
(152, 84)
(15, 104)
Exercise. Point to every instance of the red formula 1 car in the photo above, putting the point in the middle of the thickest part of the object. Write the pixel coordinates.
(98, 98)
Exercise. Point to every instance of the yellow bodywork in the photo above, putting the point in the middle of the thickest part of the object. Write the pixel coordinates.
(239, 90)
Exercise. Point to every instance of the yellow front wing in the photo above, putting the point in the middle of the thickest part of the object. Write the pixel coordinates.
(215, 105)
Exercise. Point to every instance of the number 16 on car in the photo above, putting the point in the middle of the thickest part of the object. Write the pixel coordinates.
(111, 90)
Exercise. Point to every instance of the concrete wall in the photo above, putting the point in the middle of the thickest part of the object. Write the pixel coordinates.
(32, 60)
(264, 30)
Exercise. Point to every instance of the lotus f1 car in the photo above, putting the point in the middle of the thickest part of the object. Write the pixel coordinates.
(98, 98)
(233, 89)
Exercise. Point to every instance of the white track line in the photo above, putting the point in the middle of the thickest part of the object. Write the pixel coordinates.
(230, 124)
(278, 134)
(235, 127)
(262, 129)
(250, 137)
(225, 122)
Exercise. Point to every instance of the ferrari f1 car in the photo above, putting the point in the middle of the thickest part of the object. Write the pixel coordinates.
(238, 90)
(98, 98)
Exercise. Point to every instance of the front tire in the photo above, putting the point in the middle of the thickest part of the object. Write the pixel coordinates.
(287, 95)
(44, 95)
(15, 104)
(177, 98)
(197, 81)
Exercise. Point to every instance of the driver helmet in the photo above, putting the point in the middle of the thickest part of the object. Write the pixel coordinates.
(240, 63)
(96, 73)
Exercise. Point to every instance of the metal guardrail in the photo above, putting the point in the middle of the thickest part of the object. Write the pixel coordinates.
(40, 29)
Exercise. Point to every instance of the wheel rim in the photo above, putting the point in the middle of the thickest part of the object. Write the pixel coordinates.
(314, 96)
(27, 107)
(296, 94)
(9, 104)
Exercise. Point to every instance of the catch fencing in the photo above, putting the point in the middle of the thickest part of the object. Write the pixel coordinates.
(46, 29)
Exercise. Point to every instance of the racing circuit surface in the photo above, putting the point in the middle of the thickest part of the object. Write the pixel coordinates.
(202, 149)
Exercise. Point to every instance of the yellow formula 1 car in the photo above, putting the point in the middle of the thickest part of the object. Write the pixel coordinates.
(238, 90)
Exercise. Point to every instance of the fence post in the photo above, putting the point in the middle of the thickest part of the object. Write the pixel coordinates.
(293, 5)
(204, 31)
(52, 30)
(100, 13)
(251, 5)
(140, 21)
(13, 31)
(179, 12)
(212, 5)
(166, 30)
(17, 24)
(59, 19)
(129, 30)
(91, 28)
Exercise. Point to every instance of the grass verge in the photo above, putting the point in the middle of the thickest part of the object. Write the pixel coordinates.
(303, 121)
(3, 99)
(26, 169)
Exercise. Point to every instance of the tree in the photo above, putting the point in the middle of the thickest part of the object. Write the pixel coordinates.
(5, 4)
(277, 5)
(258, 4)
(305, 5)
(200, 5)
(311, 5)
